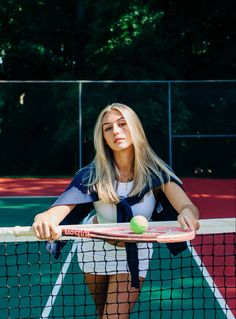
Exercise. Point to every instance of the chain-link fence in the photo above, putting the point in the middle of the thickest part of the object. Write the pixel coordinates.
(46, 127)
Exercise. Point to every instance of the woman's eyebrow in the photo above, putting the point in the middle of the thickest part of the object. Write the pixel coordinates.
(121, 118)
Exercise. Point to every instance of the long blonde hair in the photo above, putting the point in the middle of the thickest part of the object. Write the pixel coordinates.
(146, 163)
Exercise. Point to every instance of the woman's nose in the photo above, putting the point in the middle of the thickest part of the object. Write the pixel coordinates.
(115, 129)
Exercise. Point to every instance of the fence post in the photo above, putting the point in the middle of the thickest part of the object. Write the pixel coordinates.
(170, 123)
(80, 146)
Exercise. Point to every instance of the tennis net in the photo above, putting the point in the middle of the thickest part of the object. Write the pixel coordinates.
(198, 283)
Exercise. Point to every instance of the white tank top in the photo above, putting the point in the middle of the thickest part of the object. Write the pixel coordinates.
(106, 213)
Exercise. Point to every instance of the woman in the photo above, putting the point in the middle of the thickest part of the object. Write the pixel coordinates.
(121, 182)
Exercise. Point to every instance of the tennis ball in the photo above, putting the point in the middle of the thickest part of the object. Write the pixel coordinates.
(138, 224)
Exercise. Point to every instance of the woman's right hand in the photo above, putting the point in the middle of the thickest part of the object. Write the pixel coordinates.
(45, 224)
(45, 227)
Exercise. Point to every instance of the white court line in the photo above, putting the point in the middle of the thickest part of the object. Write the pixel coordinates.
(51, 299)
(220, 299)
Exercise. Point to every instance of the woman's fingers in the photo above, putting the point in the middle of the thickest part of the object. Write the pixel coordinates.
(187, 220)
(38, 230)
(45, 229)
(55, 232)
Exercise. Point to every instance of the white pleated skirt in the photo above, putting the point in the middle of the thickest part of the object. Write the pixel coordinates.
(96, 256)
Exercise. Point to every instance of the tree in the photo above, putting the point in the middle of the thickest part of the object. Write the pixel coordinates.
(86, 39)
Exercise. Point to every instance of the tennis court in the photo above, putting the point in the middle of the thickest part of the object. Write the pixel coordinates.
(198, 284)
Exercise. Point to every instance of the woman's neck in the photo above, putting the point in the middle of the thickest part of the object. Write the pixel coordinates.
(124, 162)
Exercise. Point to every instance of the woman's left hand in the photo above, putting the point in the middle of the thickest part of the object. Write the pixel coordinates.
(187, 220)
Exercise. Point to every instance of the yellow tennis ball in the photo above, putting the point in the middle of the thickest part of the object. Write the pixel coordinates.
(138, 224)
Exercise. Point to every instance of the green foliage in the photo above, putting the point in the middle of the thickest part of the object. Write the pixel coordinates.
(86, 39)
(130, 27)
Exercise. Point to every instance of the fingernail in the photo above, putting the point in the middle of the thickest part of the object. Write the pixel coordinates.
(184, 227)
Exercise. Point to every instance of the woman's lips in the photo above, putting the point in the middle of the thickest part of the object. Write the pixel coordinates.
(118, 139)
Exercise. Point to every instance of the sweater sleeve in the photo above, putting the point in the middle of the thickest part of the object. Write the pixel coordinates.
(78, 191)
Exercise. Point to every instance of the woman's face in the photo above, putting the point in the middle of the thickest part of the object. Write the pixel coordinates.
(115, 131)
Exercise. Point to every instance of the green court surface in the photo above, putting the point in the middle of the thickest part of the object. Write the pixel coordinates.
(174, 288)
(21, 210)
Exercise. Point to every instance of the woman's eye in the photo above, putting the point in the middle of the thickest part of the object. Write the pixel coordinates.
(122, 124)
(108, 129)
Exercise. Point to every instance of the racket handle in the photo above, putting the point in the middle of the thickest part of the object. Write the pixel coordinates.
(17, 231)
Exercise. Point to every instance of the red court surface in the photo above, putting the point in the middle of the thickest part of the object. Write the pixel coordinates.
(213, 197)
(32, 186)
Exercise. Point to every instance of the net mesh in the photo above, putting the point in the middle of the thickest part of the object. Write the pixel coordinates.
(198, 283)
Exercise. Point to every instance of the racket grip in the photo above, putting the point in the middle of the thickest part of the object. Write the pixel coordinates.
(17, 231)
(23, 231)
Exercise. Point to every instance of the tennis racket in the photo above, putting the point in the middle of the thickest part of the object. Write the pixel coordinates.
(119, 232)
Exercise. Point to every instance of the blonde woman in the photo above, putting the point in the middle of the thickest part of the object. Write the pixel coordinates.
(125, 179)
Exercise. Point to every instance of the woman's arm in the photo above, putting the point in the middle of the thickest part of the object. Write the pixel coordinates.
(45, 224)
(188, 212)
